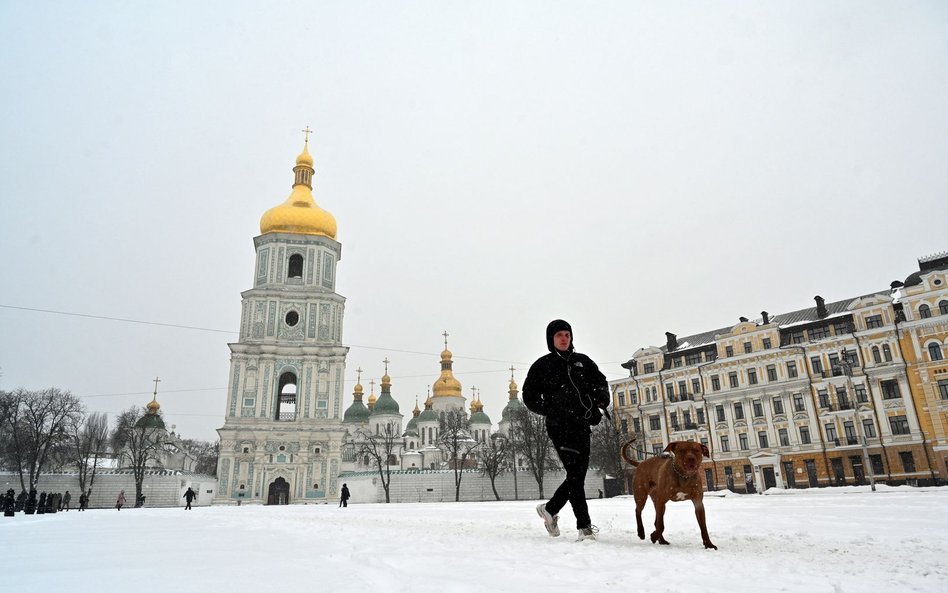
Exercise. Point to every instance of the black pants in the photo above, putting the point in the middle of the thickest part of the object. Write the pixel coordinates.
(573, 450)
(187, 507)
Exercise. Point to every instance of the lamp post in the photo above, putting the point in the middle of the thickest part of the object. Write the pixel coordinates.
(846, 367)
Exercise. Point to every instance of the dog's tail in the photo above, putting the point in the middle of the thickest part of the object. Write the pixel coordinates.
(625, 454)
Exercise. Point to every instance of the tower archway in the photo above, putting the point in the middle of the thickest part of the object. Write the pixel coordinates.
(278, 492)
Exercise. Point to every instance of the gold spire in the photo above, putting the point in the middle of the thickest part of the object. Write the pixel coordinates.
(372, 397)
(153, 406)
(446, 385)
(299, 213)
(473, 399)
(416, 411)
(512, 388)
(357, 391)
(386, 380)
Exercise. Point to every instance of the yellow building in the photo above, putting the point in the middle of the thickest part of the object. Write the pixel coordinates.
(923, 340)
(815, 397)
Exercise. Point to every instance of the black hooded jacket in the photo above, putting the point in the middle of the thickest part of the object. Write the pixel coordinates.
(566, 387)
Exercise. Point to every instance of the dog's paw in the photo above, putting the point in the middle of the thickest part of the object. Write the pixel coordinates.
(709, 546)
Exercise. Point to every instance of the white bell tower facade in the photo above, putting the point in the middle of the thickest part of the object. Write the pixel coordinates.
(281, 442)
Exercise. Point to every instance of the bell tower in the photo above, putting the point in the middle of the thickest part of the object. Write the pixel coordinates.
(282, 434)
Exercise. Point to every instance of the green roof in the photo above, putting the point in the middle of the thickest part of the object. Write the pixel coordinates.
(357, 413)
(512, 406)
(385, 404)
(428, 416)
(479, 418)
(150, 421)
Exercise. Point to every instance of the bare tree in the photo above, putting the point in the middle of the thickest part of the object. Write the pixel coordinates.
(495, 458)
(381, 451)
(604, 448)
(87, 445)
(137, 443)
(534, 445)
(454, 439)
(38, 422)
(205, 455)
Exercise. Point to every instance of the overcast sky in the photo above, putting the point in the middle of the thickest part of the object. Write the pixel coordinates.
(634, 168)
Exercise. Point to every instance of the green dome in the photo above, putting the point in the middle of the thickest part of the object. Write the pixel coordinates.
(385, 404)
(150, 421)
(511, 407)
(428, 416)
(357, 413)
(479, 418)
(412, 428)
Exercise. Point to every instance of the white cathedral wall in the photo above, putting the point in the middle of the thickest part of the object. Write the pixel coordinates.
(162, 488)
(438, 486)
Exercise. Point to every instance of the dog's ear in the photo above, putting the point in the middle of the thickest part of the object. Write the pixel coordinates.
(670, 448)
(704, 450)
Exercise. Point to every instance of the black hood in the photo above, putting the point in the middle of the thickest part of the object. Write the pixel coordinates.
(555, 326)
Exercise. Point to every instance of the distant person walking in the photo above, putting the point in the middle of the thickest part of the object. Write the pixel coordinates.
(83, 501)
(66, 498)
(344, 497)
(120, 501)
(189, 496)
(568, 389)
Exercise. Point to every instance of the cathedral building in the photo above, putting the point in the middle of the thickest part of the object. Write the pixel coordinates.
(286, 436)
(283, 427)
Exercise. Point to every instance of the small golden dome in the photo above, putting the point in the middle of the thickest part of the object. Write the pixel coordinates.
(446, 354)
(153, 406)
(305, 158)
(372, 399)
(300, 214)
(358, 390)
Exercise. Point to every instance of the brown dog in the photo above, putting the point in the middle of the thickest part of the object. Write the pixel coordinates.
(669, 479)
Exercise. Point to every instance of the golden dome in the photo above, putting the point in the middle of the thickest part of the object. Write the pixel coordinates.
(299, 214)
(153, 406)
(305, 158)
(372, 399)
(446, 385)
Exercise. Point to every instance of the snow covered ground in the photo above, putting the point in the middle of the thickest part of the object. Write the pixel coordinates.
(839, 540)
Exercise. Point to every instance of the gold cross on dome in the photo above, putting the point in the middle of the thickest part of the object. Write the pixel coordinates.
(512, 369)
(306, 132)
(359, 370)
(445, 334)
(156, 382)
(386, 361)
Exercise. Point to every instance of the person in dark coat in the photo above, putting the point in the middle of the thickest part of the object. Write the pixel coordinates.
(344, 496)
(120, 501)
(568, 389)
(189, 496)
(83, 501)
(66, 498)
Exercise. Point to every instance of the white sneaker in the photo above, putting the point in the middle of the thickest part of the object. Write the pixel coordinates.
(549, 521)
(588, 533)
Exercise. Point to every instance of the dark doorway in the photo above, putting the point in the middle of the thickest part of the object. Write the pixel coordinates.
(811, 472)
(709, 479)
(279, 492)
(788, 474)
(770, 480)
(749, 487)
(838, 471)
(859, 473)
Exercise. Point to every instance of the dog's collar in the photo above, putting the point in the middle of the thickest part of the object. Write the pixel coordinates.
(681, 474)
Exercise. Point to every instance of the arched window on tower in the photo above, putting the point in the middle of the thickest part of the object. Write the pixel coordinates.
(934, 351)
(286, 400)
(295, 268)
(943, 307)
(924, 312)
(887, 353)
(876, 356)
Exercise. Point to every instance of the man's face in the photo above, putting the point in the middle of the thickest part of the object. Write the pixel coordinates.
(562, 339)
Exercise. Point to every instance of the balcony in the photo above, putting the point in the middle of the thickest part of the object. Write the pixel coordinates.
(286, 417)
(852, 441)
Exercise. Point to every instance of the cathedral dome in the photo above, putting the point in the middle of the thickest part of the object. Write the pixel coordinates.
(357, 413)
(429, 415)
(151, 419)
(299, 214)
(446, 385)
(512, 407)
(385, 404)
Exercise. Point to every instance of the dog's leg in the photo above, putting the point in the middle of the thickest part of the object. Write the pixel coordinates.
(641, 497)
(659, 521)
(699, 513)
